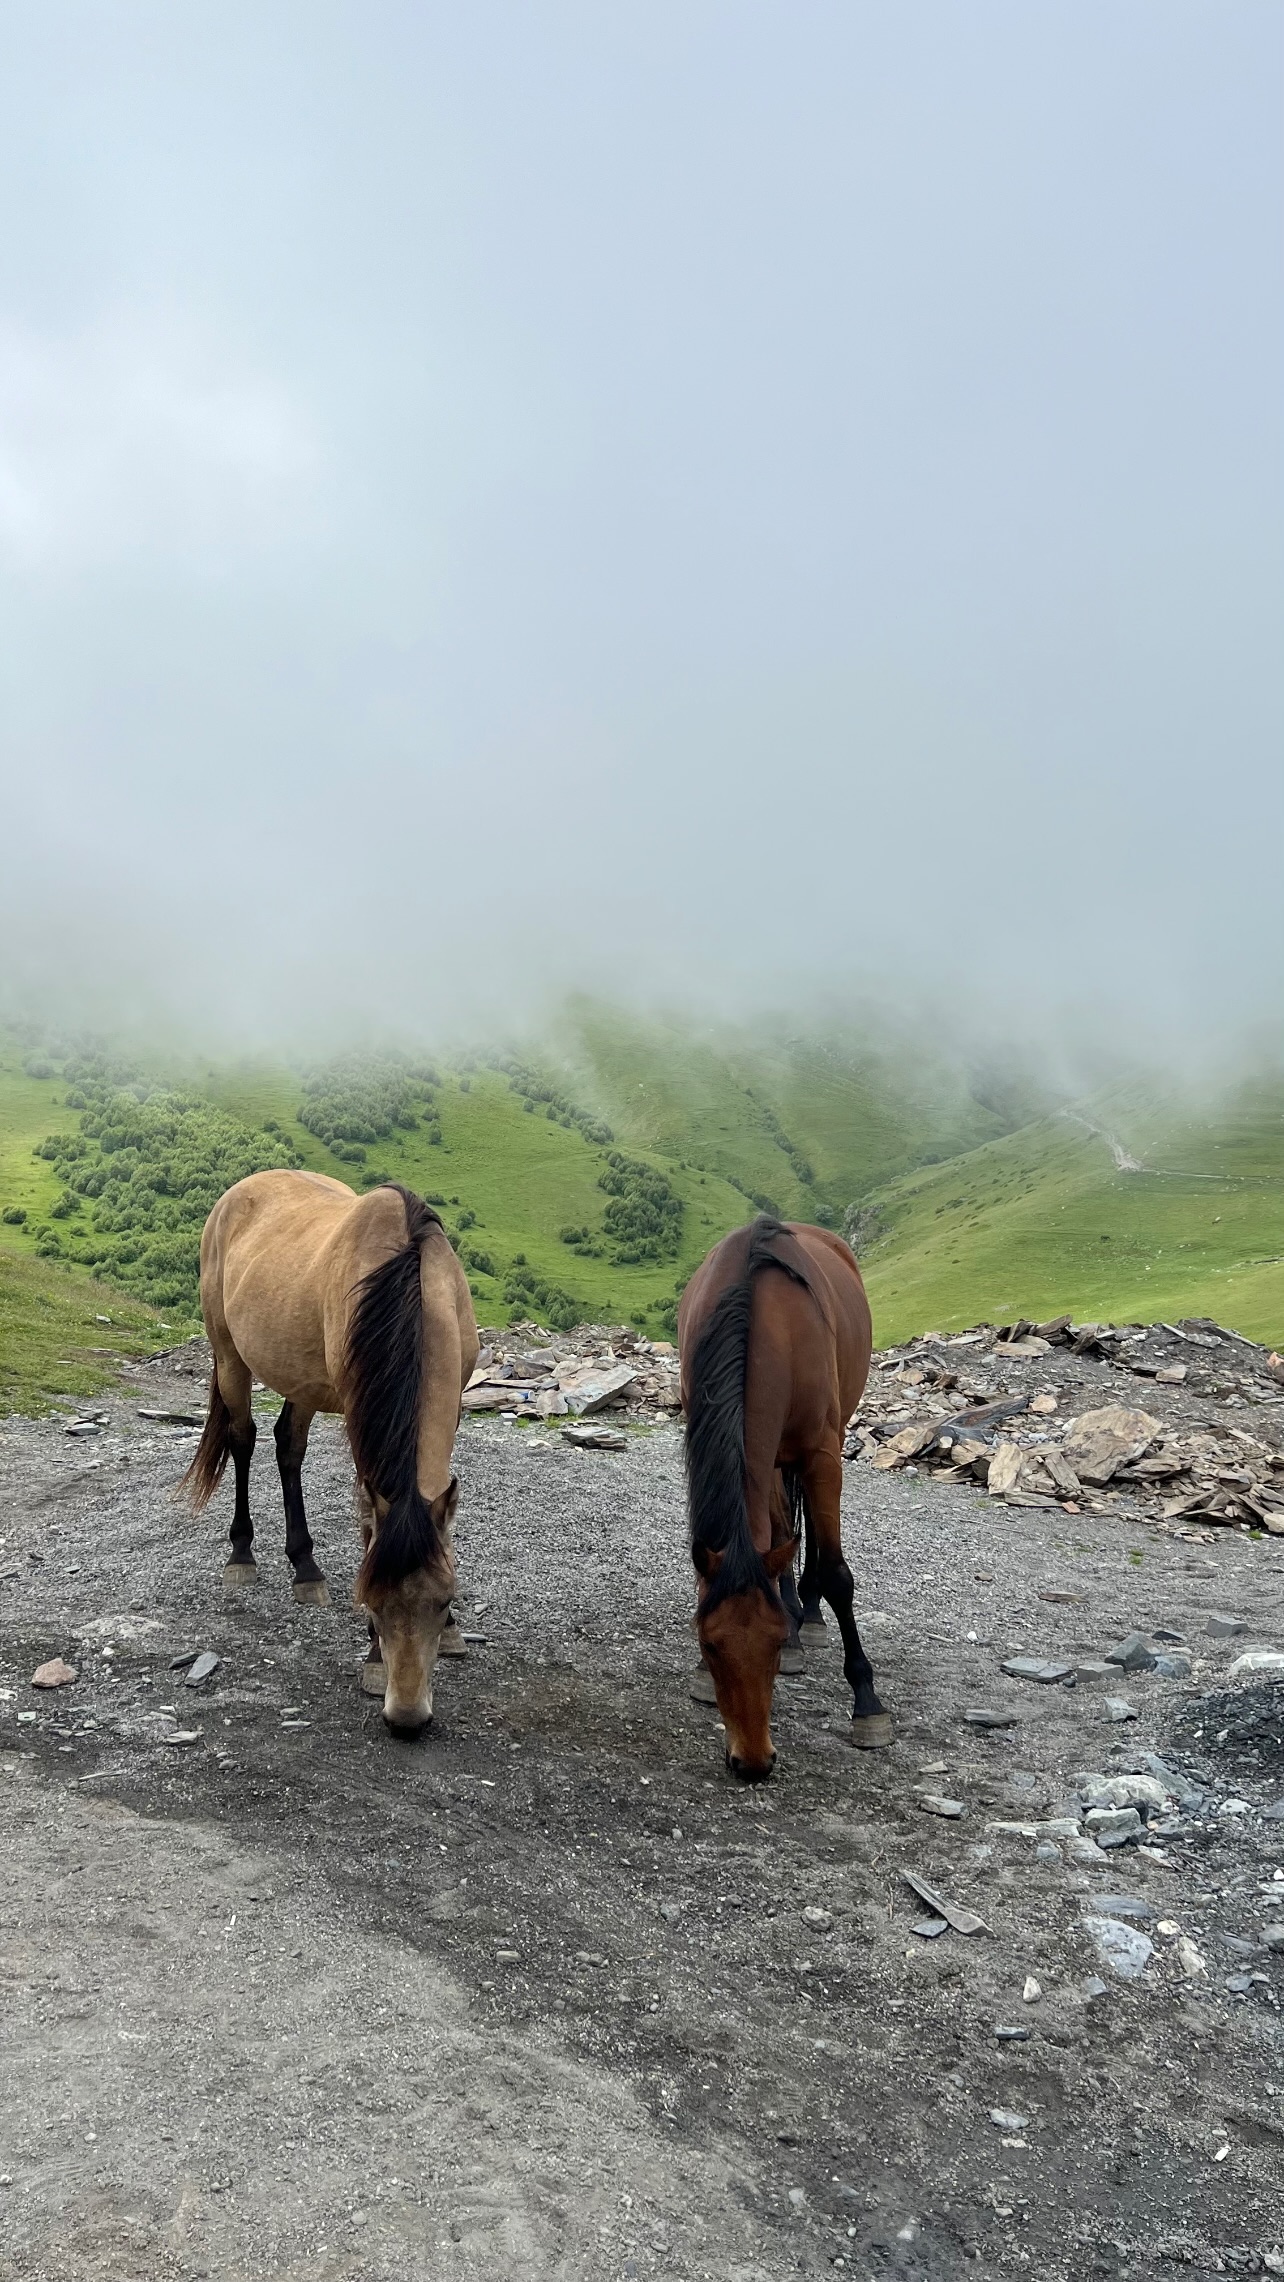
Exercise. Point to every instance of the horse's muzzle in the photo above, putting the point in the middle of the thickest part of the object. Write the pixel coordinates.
(750, 1770)
(407, 1722)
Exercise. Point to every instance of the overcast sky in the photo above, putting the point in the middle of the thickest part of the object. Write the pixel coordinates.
(726, 499)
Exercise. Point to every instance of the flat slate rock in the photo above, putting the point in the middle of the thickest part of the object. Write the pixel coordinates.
(977, 1715)
(1035, 1668)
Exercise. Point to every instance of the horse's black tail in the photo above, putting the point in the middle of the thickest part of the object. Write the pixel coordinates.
(382, 1388)
(212, 1451)
(715, 1438)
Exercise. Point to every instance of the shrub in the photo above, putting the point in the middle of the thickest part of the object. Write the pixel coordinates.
(14, 1215)
(644, 1216)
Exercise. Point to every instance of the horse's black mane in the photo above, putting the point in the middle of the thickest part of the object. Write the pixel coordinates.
(383, 1380)
(715, 1439)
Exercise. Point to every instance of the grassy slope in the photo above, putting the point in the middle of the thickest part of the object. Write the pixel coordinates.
(1042, 1220)
(525, 1178)
(859, 1115)
(1034, 1220)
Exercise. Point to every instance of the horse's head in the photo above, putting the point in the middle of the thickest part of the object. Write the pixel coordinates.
(405, 1584)
(741, 1635)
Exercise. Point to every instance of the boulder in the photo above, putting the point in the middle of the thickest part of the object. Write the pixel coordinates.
(1102, 1441)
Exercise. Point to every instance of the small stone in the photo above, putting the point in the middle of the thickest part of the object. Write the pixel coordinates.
(1007, 2035)
(1273, 1936)
(1225, 1627)
(1045, 1851)
(1007, 2119)
(978, 1716)
(181, 1735)
(1042, 1406)
(822, 1919)
(1118, 1709)
(1085, 1851)
(1122, 1947)
(1239, 1984)
(201, 1667)
(595, 1438)
(929, 1929)
(935, 1767)
(1144, 1792)
(949, 1809)
(54, 1674)
(1113, 1826)
(1169, 1638)
(1035, 1668)
(1264, 1660)
(1095, 1987)
(508, 1957)
(1132, 1654)
(1188, 1958)
(798, 2196)
(80, 1427)
(1031, 1991)
(1172, 1667)
(1091, 1673)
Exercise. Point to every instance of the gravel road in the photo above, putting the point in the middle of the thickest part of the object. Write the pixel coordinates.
(546, 1994)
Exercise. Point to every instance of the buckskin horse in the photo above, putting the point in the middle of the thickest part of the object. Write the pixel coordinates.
(775, 1341)
(354, 1304)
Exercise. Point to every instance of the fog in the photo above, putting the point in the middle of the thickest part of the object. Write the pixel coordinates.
(738, 505)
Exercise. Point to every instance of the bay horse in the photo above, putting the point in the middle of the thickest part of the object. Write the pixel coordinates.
(775, 1340)
(354, 1304)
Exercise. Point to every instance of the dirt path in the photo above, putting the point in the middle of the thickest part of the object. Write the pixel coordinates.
(538, 1997)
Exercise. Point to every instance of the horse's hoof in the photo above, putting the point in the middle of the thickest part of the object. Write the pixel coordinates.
(792, 1662)
(868, 1734)
(312, 1592)
(813, 1633)
(240, 1573)
(452, 1642)
(373, 1679)
(702, 1687)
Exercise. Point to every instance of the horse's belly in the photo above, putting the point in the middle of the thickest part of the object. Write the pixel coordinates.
(281, 1336)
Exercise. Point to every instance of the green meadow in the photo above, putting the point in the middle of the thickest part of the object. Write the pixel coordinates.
(586, 1180)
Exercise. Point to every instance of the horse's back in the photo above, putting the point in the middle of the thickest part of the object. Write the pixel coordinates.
(810, 1331)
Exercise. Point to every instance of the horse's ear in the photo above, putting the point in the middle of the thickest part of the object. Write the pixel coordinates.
(444, 1508)
(708, 1560)
(780, 1557)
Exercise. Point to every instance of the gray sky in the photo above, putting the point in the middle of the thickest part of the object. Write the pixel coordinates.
(695, 497)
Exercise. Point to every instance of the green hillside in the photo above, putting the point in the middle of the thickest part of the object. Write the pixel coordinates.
(807, 1121)
(1045, 1219)
(585, 1183)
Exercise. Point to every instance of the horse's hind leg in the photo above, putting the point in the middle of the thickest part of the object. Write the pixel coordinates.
(823, 1480)
(291, 1432)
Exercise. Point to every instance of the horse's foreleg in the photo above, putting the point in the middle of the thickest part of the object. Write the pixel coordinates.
(792, 1660)
(823, 1480)
(291, 1443)
(235, 1386)
(809, 1591)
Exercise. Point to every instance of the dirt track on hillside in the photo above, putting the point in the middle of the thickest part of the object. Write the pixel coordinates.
(536, 1996)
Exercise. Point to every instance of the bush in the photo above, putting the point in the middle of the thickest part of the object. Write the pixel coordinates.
(14, 1215)
(644, 1216)
(362, 1097)
(147, 1167)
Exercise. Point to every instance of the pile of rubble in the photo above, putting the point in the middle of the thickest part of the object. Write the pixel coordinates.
(1035, 1412)
(541, 1374)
